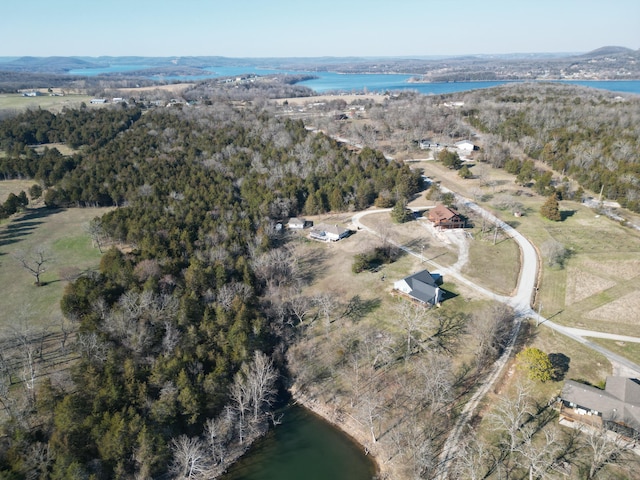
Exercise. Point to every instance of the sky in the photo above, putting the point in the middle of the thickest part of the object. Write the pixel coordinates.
(303, 28)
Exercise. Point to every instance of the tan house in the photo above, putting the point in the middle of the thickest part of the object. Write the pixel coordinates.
(445, 217)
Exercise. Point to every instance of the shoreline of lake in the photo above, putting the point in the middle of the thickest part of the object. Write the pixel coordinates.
(346, 424)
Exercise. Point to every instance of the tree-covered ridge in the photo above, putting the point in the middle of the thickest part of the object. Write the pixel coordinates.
(168, 332)
(593, 138)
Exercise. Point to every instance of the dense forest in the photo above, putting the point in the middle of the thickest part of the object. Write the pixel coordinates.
(176, 337)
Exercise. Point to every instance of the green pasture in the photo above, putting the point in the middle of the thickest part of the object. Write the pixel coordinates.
(62, 234)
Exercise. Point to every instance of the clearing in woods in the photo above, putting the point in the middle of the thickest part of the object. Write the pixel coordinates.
(62, 234)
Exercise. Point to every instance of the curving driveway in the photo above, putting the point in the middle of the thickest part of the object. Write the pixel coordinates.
(520, 301)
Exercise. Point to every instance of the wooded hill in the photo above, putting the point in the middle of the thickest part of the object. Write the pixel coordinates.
(590, 136)
(170, 335)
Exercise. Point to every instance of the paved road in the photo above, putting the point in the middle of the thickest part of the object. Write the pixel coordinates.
(520, 301)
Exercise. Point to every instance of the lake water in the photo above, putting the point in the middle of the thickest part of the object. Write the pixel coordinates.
(331, 81)
(303, 447)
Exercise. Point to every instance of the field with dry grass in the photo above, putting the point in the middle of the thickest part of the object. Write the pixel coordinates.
(55, 104)
(15, 187)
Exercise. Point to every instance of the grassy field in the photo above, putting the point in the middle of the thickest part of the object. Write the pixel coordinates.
(18, 102)
(15, 187)
(62, 234)
(61, 147)
(495, 267)
(597, 288)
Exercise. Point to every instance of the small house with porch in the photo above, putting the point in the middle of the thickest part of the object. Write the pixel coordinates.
(445, 217)
(617, 407)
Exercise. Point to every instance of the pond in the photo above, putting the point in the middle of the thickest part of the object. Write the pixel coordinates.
(303, 446)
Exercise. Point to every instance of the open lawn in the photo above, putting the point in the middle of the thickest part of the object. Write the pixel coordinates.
(18, 102)
(495, 267)
(62, 234)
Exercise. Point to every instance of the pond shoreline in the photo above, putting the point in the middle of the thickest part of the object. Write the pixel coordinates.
(346, 424)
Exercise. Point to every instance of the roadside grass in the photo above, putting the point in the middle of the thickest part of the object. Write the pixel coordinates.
(551, 300)
(495, 267)
(626, 349)
(61, 233)
(18, 102)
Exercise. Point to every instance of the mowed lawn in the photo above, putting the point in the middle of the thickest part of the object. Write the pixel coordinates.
(62, 233)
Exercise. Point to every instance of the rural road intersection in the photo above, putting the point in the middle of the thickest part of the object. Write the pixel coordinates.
(520, 301)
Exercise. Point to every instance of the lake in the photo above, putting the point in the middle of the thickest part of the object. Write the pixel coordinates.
(303, 446)
(354, 82)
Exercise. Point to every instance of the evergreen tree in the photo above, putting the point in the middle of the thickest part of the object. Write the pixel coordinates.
(551, 209)
(450, 159)
(464, 172)
(400, 213)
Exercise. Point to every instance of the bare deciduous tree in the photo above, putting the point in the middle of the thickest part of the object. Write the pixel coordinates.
(605, 447)
(555, 252)
(34, 262)
(190, 460)
(97, 233)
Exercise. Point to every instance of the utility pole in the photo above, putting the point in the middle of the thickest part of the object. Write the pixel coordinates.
(538, 317)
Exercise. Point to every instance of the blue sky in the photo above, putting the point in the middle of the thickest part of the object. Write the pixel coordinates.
(283, 28)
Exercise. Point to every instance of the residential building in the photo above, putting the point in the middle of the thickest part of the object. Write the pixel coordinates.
(617, 407)
(421, 287)
(445, 217)
(329, 233)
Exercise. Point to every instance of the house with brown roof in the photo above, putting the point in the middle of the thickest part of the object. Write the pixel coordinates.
(445, 217)
(617, 407)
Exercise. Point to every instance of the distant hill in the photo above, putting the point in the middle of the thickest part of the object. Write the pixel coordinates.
(605, 63)
(610, 50)
(46, 64)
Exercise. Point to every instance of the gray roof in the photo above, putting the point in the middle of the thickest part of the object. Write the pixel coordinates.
(423, 287)
(618, 402)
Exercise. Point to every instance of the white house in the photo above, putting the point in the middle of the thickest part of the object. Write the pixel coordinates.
(465, 146)
(296, 223)
(421, 286)
(328, 233)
